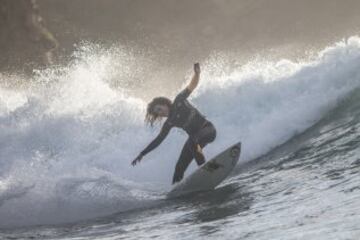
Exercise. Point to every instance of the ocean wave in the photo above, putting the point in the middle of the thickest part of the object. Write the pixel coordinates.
(66, 142)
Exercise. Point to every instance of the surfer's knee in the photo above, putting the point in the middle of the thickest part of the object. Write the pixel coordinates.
(207, 135)
(212, 135)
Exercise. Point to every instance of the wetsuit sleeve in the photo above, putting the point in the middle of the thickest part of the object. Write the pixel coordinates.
(160, 137)
(184, 94)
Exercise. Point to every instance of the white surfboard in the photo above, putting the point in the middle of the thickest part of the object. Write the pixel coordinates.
(209, 175)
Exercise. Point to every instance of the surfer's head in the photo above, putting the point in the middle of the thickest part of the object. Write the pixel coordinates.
(158, 108)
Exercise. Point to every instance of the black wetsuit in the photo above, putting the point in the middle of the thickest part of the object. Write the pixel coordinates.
(183, 115)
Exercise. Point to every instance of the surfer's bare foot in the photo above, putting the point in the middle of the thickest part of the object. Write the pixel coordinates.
(199, 149)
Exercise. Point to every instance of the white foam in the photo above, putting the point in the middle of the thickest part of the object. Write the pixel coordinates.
(67, 142)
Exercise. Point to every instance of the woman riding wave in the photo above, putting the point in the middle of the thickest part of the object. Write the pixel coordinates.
(180, 113)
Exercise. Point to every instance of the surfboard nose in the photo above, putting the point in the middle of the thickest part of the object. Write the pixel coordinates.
(236, 149)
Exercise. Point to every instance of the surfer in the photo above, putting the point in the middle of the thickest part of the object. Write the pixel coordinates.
(180, 113)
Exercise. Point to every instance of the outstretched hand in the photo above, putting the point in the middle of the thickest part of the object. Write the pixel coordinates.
(136, 160)
(197, 68)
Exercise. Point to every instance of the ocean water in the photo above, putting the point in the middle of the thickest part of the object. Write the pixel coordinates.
(68, 135)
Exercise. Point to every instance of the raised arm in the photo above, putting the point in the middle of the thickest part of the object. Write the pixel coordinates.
(195, 79)
(154, 143)
(184, 94)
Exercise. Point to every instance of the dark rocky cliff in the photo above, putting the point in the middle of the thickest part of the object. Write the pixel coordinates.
(25, 42)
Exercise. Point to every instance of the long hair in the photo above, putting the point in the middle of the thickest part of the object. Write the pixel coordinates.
(151, 116)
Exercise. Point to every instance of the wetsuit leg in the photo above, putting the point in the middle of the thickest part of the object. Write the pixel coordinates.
(185, 159)
(190, 150)
(206, 135)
